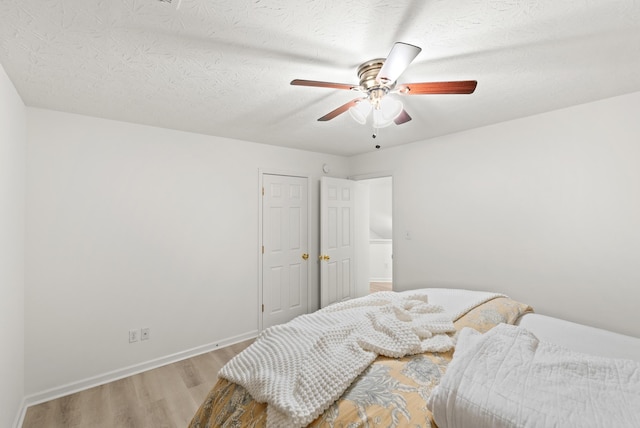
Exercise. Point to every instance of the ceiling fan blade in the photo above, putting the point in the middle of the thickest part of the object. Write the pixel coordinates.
(340, 110)
(403, 117)
(459, 87)
(318, 84)
(397, 62)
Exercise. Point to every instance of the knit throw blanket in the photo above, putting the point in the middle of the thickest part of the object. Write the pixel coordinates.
(300, 368)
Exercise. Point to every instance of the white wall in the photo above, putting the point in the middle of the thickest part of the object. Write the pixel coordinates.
(133, 226)
(381, 224)
(13, 144)
(381, 207)
(545, 209)
(380, 260)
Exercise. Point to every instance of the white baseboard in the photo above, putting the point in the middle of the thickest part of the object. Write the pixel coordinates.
(114, 375)
(20, 416)
(380, 280)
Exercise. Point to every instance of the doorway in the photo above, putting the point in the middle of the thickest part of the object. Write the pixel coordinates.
(380, 233)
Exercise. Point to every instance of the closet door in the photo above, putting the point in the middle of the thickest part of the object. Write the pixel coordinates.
(285, 251)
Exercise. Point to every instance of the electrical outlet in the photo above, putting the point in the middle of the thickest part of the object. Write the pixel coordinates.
(134, 335)
(145, 334)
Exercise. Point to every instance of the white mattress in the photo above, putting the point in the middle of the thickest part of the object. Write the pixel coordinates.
(582, 338)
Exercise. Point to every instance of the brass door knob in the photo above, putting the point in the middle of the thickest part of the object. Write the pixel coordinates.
(305, 256)
(323, 257)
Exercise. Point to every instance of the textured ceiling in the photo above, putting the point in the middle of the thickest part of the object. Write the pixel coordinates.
(223, 67)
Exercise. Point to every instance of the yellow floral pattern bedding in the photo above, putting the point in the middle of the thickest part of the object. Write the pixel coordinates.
(392, 392)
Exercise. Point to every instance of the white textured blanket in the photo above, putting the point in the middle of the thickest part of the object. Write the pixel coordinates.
(300, 368)
(506, 378)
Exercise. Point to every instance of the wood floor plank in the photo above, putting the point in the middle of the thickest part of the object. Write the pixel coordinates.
(148, 388)
(207, 367)
(37, 416)
(199, 393)
(120, 393)
(141, 385)
(132, 416)
(158, 415)
(181, 405)
(69, 412)
(189, 373)
(380, 286)
(96, 406)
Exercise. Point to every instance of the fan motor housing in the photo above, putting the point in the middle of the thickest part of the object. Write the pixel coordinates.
(368, 71)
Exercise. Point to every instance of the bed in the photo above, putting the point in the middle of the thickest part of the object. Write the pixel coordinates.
(397, 391)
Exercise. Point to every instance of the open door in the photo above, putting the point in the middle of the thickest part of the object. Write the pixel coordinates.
(340, 239)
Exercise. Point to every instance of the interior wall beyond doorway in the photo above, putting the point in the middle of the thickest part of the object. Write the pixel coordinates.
(380, 232)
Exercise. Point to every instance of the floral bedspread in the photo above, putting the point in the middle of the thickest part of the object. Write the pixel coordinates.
(392, 392)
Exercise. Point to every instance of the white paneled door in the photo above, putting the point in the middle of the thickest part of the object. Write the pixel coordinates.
(285, 251)
(337, 240)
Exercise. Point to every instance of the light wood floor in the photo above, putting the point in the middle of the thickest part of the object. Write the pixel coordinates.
(380, 286)
(165, 397)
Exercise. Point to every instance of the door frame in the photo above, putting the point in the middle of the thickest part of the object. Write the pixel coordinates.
(261, 173)
(384, 174)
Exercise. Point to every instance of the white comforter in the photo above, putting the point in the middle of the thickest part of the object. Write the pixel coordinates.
(300, 368)
(507, 378)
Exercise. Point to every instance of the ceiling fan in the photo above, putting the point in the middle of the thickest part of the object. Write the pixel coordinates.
(378, 78)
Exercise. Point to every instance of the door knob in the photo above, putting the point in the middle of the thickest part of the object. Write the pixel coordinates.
(305, 256)
(324, 257)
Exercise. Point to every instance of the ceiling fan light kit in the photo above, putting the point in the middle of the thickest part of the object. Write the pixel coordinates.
(360, 111)
(378, 78)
